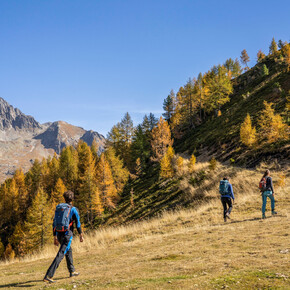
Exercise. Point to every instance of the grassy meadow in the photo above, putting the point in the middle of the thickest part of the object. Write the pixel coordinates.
(184, 249)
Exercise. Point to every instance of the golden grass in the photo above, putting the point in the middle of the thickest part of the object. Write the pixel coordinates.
(186, 249)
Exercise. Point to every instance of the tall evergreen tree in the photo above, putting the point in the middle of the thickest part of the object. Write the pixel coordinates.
(168, 106)
(141, 147)
(152, 121)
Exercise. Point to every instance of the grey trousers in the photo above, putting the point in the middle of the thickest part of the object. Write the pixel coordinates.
(65, 249)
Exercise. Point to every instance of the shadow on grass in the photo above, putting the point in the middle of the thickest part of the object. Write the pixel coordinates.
(26, 284)
(250, 220)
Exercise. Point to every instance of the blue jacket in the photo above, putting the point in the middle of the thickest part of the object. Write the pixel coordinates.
(73, 217)
(230, 193)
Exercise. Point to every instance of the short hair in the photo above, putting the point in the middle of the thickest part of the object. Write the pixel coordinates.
(68, 196)
(225, 178)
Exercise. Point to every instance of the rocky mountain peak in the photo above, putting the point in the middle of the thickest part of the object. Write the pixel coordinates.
(11, 117)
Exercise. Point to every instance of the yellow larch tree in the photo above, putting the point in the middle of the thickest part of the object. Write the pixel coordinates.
(19, 178)
(18, 240)
(191, 164)
(248, 133)
(180, 165)
(119, 171)
(87, 182)
(272, 127)
(161, 139)
(286, 54)
(9, 253)
(97, 205)
(39, 221)
(57, 193)
(105, 182)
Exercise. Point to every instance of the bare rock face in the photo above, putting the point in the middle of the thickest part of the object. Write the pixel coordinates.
(13, 118)
(91, 136)
(23, 139)
(59, 135)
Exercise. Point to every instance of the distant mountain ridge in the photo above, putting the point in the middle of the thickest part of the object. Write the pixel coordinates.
(23, 139)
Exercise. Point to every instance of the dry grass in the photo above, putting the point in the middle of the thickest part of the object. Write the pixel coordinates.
(186, 249)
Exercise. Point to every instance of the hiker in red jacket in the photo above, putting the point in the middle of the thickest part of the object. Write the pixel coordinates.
(65, 216)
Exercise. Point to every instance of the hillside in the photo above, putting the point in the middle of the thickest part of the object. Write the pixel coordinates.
(220, 136)
(186, 249)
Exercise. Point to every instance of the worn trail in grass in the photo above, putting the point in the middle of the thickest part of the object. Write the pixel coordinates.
(188, 249)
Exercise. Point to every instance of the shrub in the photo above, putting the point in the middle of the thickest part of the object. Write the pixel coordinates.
(212, 164)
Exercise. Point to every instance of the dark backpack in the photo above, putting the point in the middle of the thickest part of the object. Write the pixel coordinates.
(263, 184)
(61, 217)
(224, 187)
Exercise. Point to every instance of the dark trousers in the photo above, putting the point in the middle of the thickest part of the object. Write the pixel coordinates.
(64, 250)
(227, 201)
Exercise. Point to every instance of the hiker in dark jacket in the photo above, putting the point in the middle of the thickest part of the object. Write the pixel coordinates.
(268, 192)
(227, 197)
(64, 238)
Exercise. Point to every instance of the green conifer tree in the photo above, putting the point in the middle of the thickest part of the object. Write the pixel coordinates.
(168, 106)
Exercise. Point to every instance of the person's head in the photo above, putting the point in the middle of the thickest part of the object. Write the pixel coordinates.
(267, 173)
(226, 178)
(68, 196)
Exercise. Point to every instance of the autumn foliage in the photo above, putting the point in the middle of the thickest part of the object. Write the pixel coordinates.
(248, 133)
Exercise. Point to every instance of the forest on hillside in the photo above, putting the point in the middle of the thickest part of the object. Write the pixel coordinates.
(136, 153)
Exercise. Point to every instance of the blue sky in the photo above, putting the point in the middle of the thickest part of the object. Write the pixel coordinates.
(88, 62)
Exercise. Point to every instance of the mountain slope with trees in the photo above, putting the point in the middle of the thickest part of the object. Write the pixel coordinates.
(221, 116)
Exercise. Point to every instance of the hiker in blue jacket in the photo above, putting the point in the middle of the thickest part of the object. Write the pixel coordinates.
(227, 195)
(64, 237)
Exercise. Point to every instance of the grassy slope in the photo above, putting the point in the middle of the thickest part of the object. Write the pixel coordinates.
(220, 135)
(186, 249)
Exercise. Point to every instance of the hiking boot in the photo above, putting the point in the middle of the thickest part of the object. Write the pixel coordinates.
(48, 279)
(263, 216)
(225, 219)
(274, 212)
(228, 215)
(73, 274)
